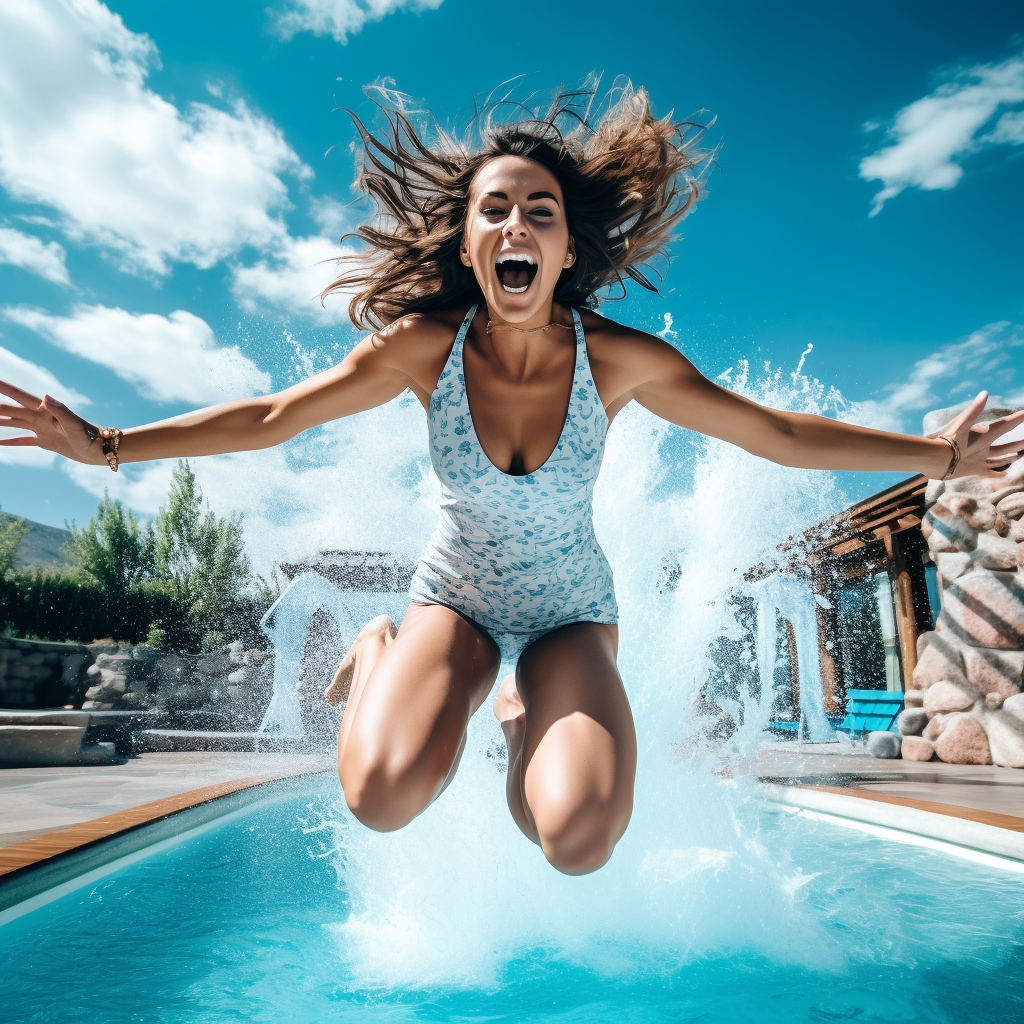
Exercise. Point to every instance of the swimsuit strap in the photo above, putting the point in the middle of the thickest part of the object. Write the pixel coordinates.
(463, 331)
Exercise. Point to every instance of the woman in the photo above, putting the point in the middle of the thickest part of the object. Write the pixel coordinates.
(478, 278)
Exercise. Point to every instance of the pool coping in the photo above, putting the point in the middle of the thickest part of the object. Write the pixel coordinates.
(29, 868)
(987, 832)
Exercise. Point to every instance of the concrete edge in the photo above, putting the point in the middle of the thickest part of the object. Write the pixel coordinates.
(33, 879)
(958, 831)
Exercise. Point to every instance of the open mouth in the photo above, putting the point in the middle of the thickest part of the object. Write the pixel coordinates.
(516, 271)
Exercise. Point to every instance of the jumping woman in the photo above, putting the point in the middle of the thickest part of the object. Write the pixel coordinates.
(479, 278)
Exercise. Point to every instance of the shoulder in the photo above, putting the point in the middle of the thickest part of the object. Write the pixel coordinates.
(617, 345)
(417, 338)
(434, 328)
(626, 361)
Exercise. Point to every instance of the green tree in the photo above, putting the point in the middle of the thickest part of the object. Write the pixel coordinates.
(12, 530)
(115, 549)
(203, 558)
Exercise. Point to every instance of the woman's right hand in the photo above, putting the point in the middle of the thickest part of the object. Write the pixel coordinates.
(54, 426)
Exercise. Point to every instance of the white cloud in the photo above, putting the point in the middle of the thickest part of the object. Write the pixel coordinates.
(952, 373)
(38, 381)
(933, 135)
(28, 252)
(292, 279)
(361, 482)
(171, 359)
(341, 18)
(124, 168)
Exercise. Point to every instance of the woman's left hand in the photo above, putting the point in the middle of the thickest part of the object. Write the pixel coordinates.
(979, 455)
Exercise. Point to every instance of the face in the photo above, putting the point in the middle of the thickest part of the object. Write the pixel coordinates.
(517, 239)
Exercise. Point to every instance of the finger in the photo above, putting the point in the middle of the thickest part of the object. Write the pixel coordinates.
(7, 410)
(59, 411)
(21, 397)
(18, 442)
(1005, 423)
(22, 422)
(1009, 446)
(973, 408)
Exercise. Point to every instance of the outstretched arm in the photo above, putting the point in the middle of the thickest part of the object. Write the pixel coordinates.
(672, 388)
(367, 377)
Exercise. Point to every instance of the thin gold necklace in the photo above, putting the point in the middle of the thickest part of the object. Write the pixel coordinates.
(526, 330)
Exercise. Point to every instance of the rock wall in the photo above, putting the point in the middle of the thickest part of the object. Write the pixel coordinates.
(966, 705)
(233, 682)
(36, 674)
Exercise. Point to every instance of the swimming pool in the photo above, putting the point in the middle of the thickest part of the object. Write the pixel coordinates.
(253, 918)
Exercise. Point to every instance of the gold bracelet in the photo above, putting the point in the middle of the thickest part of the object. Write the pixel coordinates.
(954, 460)
(111, 442)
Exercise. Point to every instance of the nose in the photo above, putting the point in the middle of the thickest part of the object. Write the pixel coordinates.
(515, 226)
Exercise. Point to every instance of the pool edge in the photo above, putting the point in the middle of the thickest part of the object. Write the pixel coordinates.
(30, 868)
(999, 835)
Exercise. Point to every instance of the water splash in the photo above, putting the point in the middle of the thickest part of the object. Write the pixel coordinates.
(459, 893)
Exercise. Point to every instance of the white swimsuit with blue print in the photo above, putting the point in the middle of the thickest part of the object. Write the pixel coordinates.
(516, 555)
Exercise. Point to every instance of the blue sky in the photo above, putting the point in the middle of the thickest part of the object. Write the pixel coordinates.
(171, 174)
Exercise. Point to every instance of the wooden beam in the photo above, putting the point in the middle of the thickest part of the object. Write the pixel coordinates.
(903, 600)
(794, 668)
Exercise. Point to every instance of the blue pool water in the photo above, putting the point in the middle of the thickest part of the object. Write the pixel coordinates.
(795, 920)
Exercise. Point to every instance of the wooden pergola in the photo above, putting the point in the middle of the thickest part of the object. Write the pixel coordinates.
(880, 533)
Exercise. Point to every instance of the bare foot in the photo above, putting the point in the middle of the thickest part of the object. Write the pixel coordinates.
(508, 705)
(379, 632)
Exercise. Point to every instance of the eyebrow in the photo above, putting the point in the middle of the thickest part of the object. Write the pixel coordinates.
(530, 198)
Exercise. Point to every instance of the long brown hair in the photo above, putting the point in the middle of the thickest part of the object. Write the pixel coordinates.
(627, 178)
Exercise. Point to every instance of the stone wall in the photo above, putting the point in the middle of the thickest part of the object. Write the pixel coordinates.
(232, 684)
(34, 674)
(966, 705)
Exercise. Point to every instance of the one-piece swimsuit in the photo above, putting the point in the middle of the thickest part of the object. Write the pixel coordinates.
(516, 555)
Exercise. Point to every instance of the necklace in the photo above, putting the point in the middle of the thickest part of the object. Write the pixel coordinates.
(526, 330)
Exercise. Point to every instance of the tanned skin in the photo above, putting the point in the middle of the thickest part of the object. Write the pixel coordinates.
(411, 691)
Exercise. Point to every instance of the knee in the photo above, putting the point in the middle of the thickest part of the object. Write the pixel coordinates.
(381, 799)
(581, 842)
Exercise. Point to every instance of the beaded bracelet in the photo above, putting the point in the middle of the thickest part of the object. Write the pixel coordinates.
(111, 442)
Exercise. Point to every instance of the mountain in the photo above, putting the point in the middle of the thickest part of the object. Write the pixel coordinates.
(41, 548)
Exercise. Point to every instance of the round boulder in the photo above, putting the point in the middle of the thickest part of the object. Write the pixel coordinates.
(914, 748)
(963, 741)
(884, 744)
(912, 721)
(944, 697)
(985, 609)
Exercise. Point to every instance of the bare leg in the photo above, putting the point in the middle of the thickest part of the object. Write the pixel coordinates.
(373, 639)
(571, 746)
(411, 695)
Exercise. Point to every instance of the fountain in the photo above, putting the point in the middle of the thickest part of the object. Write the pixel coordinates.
(351, 587)
(791, 598)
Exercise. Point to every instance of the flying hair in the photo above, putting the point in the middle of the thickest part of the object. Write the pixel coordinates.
(627, 177)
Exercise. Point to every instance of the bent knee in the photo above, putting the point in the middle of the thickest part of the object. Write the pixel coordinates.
(583, 842)
(382, 800)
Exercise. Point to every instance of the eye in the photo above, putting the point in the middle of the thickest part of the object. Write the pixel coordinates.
(541, 211)
(493, 211)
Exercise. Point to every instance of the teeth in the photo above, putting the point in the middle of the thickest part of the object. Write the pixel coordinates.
(515, 291)
(517, 257)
